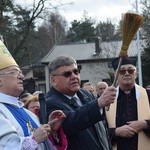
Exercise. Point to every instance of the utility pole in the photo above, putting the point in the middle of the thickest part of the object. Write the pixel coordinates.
(139, 52)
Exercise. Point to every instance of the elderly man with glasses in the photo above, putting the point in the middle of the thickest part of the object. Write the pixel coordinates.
(19, 128)
(129, 116)
(82, 110)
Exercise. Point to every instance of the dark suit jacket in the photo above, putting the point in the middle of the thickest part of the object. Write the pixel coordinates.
(79, 124)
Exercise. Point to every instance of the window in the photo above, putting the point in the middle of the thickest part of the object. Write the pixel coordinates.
(38, 73)
(42, 87)
(80, 67)
(109, 65)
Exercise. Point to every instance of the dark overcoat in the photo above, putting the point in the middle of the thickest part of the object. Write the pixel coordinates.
(79, 124)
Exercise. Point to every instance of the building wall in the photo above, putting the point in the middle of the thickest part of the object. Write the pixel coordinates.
(29, 74)
(95, 71)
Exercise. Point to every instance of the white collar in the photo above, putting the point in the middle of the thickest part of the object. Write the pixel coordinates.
(137, 91)
(8, 99)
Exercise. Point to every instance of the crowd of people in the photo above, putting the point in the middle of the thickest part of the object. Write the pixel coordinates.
(76, 118)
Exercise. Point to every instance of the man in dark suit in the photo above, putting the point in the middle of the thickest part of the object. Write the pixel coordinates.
(81, 125)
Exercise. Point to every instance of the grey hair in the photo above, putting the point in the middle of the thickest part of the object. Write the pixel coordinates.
(61, 61)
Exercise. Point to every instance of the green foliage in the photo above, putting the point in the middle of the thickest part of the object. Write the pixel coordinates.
(29, 44)
(146, 66)
(146, 35)
(107, 31)
(81, 31)
(86, 30)
(18, 30)
(5, 20)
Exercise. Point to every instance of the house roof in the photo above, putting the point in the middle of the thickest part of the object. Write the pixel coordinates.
(86, 51)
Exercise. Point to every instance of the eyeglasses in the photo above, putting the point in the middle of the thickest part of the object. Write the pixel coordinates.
(129, 70)
(68, 74)
(15, 73)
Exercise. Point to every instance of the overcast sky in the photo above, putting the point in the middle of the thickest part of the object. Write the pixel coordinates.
(99, 10)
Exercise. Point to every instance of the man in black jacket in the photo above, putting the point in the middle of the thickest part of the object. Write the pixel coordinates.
(81, 125)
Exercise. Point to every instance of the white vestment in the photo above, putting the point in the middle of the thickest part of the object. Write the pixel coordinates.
(11, 133)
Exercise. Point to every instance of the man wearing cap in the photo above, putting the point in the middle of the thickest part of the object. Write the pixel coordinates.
(129, 116)
(19, 128)
(81, 108)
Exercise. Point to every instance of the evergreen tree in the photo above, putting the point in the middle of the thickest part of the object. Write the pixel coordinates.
(107, 31)
(146, 38)
(82, 30)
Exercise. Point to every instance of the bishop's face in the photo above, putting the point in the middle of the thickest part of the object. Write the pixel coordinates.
(127, 76)
(11, 81)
